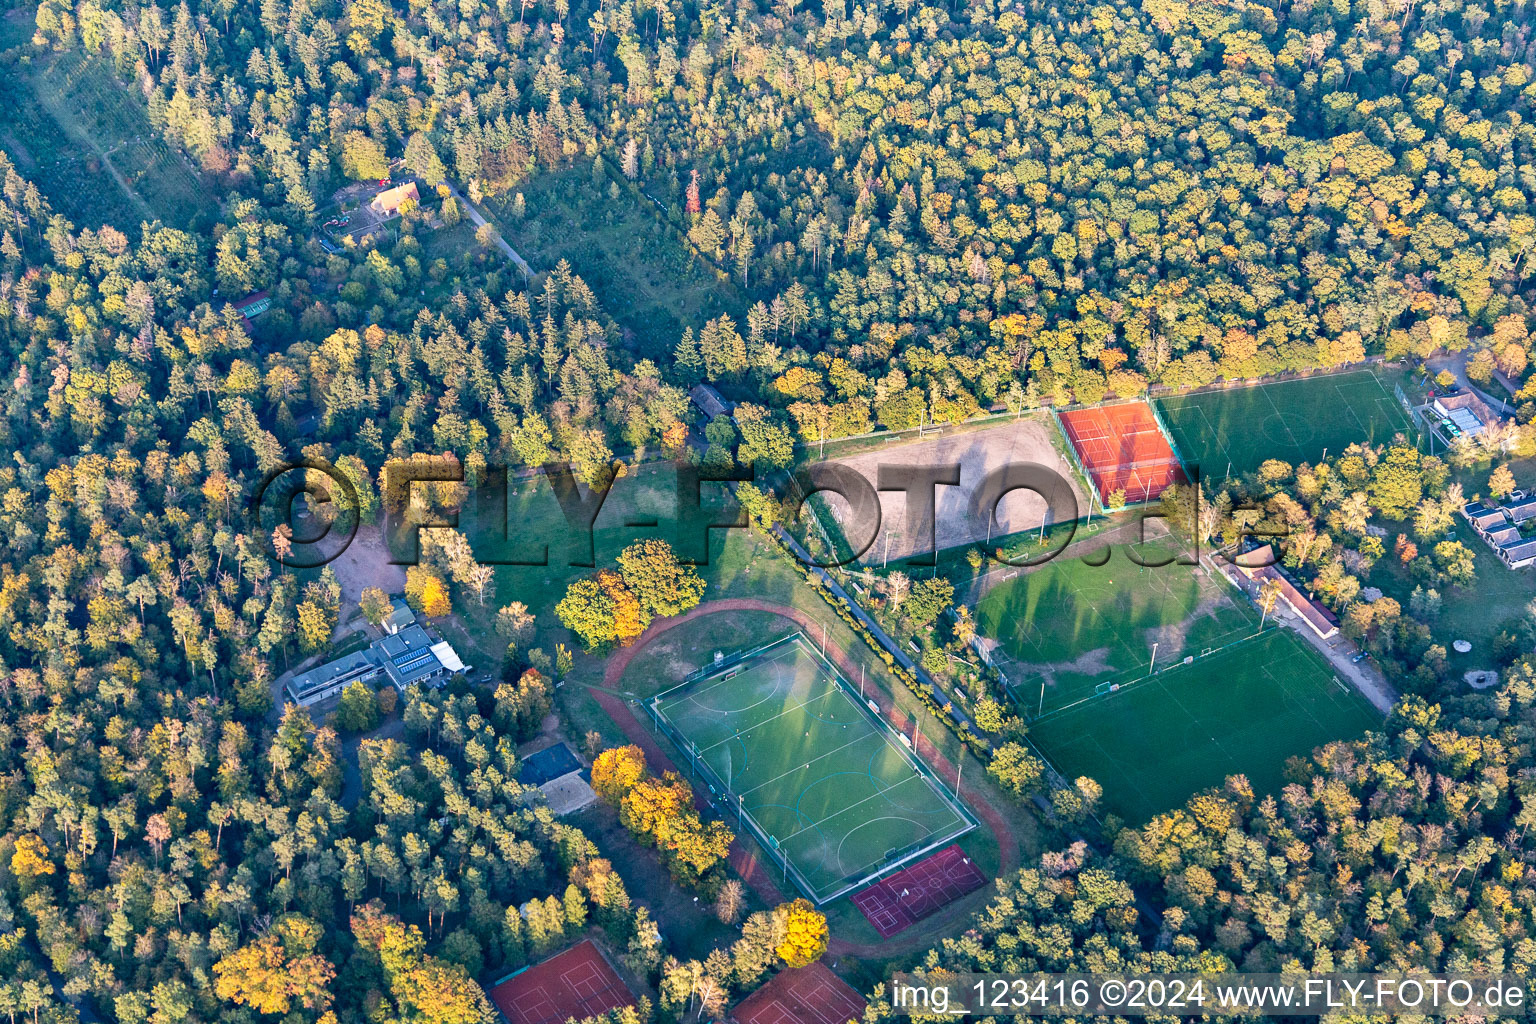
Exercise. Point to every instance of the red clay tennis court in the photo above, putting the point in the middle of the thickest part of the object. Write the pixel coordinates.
(805, 995)
(1122, 447)
(896, 903)
(577, 983)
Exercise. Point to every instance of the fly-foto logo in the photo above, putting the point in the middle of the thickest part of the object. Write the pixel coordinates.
(310, 512)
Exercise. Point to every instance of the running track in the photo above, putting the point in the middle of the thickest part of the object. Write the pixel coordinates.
(756, 874)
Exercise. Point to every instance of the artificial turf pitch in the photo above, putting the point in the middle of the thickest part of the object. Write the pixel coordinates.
(1243, 710)
(1291, 420)
(1078, 628)
(823, 783)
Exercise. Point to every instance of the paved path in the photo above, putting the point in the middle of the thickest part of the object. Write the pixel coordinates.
(1363, 675)
(756, 873)
(478, 220)
(1456, 362)
(351, 771)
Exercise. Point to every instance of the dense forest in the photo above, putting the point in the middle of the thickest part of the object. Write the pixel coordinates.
(927, 212)
(1399, 852)
(917, 213)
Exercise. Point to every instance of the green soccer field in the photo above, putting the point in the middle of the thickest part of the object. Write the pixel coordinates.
(1291, 420)
(820, 780)
(1070, 629)
(1243, 710)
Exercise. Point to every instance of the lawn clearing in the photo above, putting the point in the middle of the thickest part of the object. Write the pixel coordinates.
(1242, 710)
(74, 121)
(829, 791)
(625, 249)
(1068, 629)
(642, 504)
(1292, 420)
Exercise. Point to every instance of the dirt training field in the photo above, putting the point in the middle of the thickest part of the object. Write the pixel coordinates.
(978, 453)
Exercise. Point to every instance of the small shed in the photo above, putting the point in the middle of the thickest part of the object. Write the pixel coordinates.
(708, 401)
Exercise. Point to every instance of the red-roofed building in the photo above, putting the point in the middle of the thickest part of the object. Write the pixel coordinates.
(1311, 611)
(388, 202)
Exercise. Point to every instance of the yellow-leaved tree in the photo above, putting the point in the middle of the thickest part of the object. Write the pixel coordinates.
(616, 771)
(426, 592)
(805, 933)
(30, 857)
(277, 971)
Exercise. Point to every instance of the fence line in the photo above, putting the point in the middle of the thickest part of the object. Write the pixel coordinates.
(770, 843)
(1111, 689)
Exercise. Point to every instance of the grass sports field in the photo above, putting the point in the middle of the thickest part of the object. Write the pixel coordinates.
(1242, 710)
(1070, 629)
(824, 783)
(1292, 420)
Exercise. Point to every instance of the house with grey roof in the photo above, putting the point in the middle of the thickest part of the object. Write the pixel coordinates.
(708, 401)
(1518, 554)
(414, 656)
(400, 616)
(1483, 517)
(1522, 511)
(328, 680)
(407, 654)
(1500, 527)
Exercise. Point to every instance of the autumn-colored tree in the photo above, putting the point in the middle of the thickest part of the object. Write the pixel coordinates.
(630, 617)
(375, 605)
(424, 988)
(277, 971)
(616, 771)
(653, 804)
(587, 610)
(661, 813)
(30, 859)
(602, 611)
(1269, 595)
(805, 933)
(674, 438)
(662, 585)
(693, 846)
(1501, 482)
(426, 592)
(316, 623)
(434, 991)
